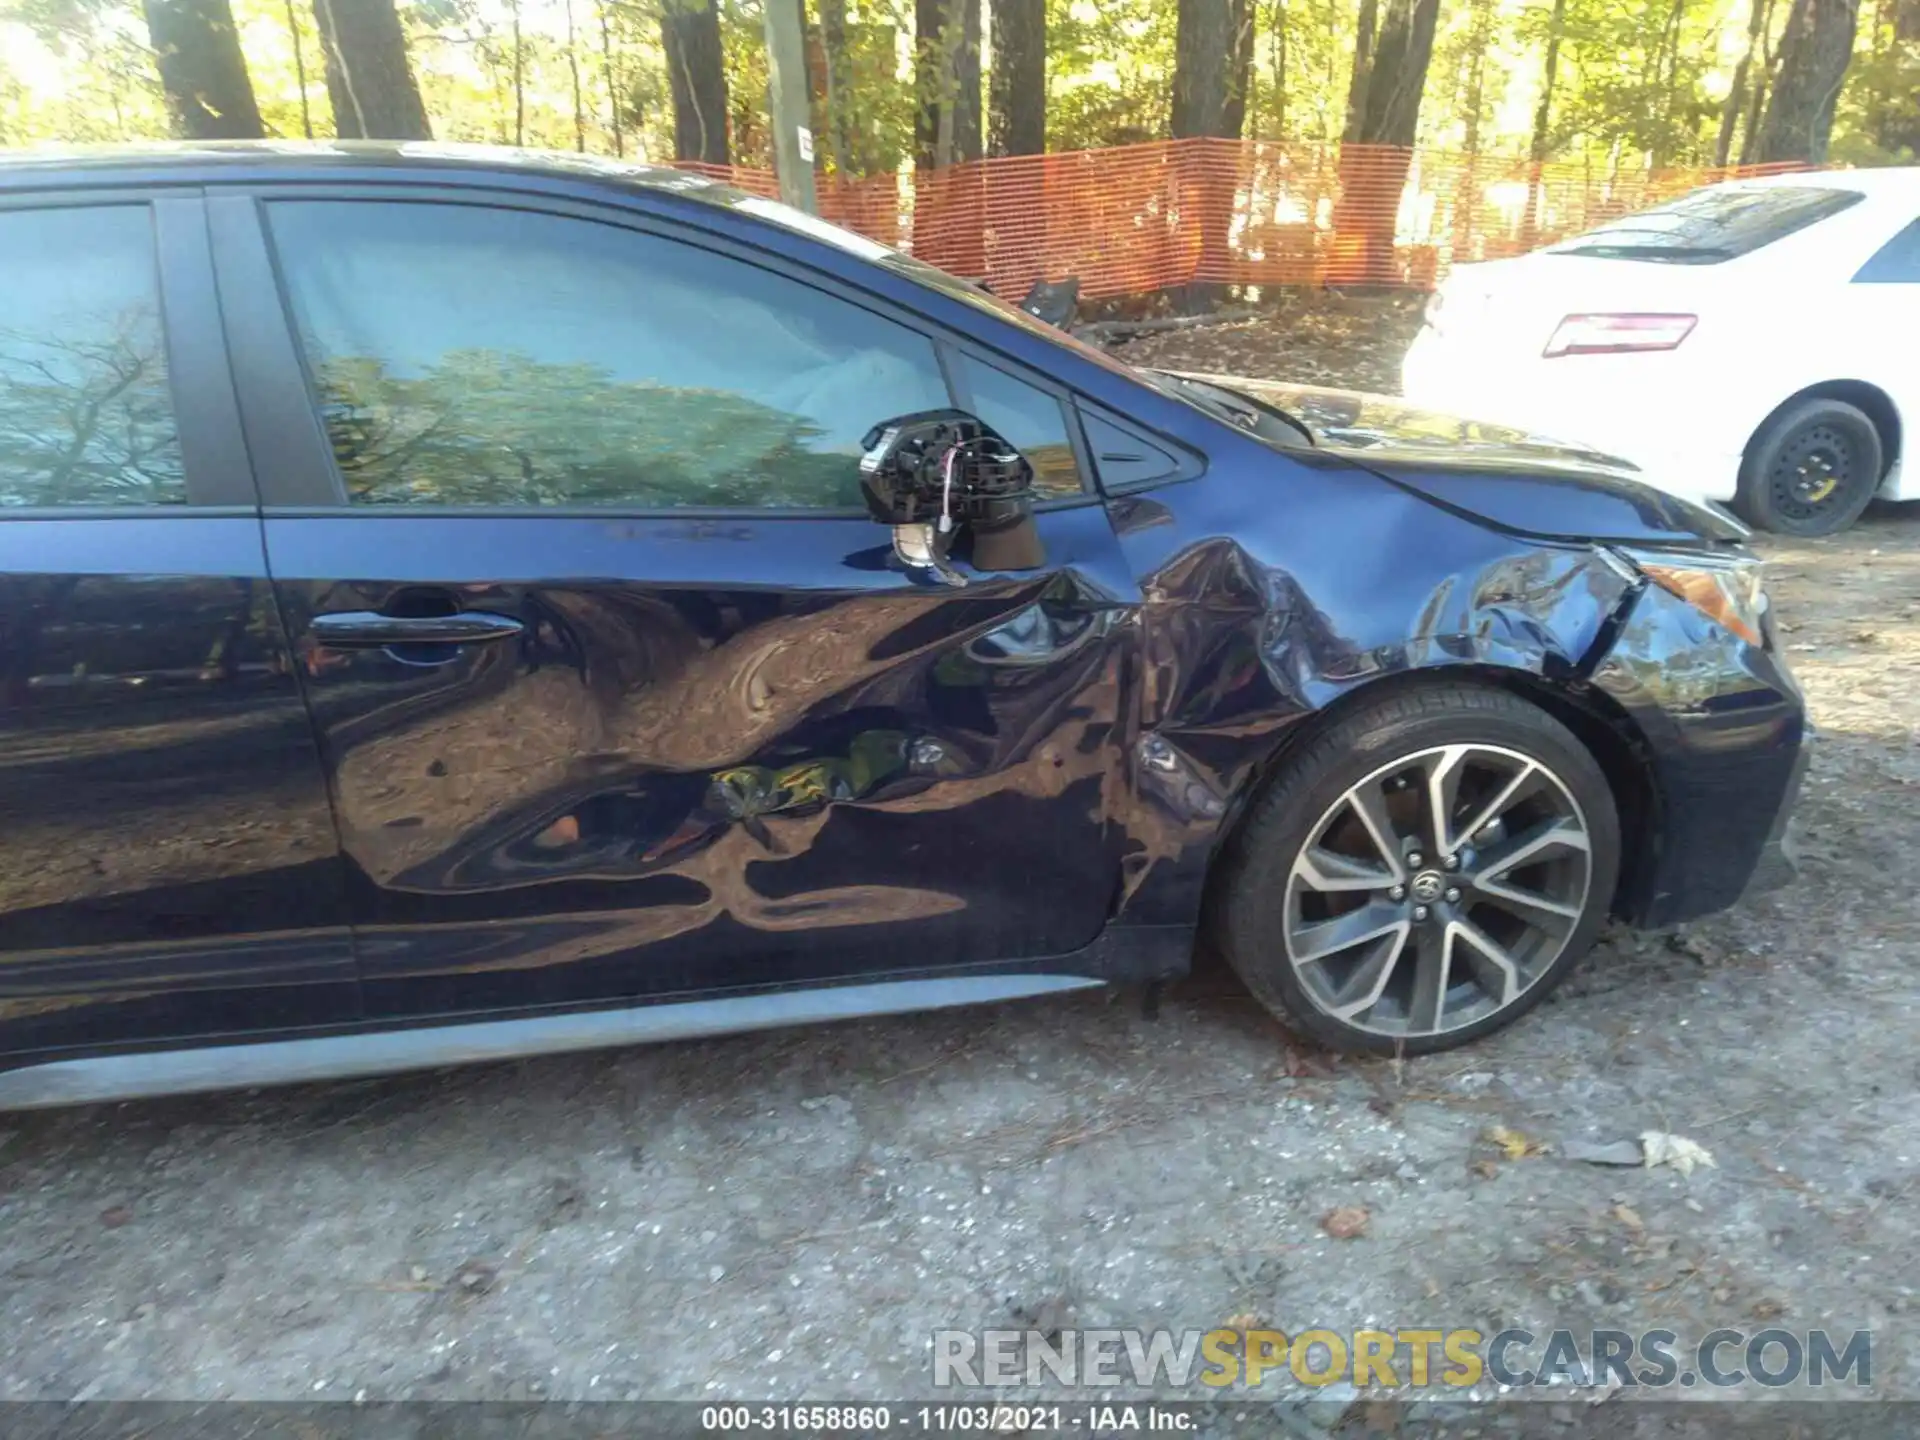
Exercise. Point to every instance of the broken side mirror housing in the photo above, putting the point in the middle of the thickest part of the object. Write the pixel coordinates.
(951, 473)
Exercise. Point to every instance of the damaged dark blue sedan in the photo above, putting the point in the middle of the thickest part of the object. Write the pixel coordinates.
(461, 605)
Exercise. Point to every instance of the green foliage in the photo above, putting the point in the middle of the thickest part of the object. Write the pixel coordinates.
(1879, 117)
(874, 108)
(1109, 72)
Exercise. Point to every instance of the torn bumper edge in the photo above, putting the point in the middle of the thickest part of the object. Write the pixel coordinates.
(1779, 863)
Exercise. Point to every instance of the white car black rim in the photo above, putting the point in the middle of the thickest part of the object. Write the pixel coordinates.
(1813, 473)
(1437, 891)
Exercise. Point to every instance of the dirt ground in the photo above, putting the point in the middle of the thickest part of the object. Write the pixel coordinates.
(793, 1213)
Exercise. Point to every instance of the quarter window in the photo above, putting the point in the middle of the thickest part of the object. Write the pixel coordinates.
(473, 356)
(85, 413)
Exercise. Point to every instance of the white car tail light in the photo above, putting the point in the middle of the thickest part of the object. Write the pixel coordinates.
(1613, 334)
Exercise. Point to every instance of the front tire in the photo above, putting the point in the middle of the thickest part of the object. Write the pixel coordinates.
(1420, 874)
(1811, 470)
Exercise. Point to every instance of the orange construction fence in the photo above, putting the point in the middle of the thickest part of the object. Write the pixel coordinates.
(1140, 218)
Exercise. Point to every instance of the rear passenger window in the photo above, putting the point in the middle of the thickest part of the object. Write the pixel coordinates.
(85, 413)
(1895, 263)
(468, 355)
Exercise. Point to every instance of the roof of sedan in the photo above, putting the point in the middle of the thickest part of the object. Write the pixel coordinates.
(1880, 180)
(192, 159)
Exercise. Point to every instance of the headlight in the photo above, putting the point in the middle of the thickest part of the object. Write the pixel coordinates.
(1728, 592)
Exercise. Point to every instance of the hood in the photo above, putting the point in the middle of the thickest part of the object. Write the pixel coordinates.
(1518, 481)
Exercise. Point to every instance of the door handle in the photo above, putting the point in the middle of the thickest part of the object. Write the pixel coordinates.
(370, 630)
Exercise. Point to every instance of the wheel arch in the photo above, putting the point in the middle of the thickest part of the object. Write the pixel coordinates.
(1863, 395)
(1596, 720)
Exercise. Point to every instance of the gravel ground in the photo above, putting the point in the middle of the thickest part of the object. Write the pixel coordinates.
(791, 1214)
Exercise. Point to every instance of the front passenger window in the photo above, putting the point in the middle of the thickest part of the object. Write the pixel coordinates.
(467, 355)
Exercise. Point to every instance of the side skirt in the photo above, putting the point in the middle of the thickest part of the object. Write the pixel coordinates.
(337, 1057)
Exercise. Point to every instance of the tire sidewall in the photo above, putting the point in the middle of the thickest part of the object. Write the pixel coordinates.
(1257, 926)
(1756, 500)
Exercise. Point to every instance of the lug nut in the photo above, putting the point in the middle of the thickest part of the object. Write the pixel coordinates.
(1398, 892)
(1419, 912)
(1452, 862)
(1453, 895)
(1416, 859)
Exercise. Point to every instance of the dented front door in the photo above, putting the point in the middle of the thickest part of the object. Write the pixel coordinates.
(714, 753)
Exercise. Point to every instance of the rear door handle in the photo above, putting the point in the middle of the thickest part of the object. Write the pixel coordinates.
(370, 630)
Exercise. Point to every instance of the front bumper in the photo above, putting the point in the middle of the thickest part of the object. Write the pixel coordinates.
(1779, 863)
(1722, 728)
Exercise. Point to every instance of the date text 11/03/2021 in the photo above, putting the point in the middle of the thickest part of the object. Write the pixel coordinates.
(982, 1418)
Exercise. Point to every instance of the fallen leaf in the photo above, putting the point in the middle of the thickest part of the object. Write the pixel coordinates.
(1513, 1144)
(1485, 1169)
(114, 1216)
(1768, 1309)
(1346, 1222)
(1676, 1150)
(1243, 1323)
(1629, 1217)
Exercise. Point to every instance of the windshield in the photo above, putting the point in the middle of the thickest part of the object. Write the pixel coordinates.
(1710, 226)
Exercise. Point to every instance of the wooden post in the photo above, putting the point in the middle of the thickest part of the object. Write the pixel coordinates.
(787, 98)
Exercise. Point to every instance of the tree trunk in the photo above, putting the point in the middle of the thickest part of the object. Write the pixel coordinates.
(1762, 88)
(1668, 54)
(929, 79)
(299, 69)
(1397, 77)
(202, 71)
(613, 83)
(519, 76)
(1371, 179)
(1479, 38)
(833, 54)
(579, 102)
(368, 78)
(1233, 118)
(969, 131)
(1814, 53)
(1362, 69)
(1737, 96)
(1204, 52)
(1542, 137)
(1279, 52)
(1207, 48)
(697, 76)
(1017, 106)
(947, 81)
(1466, 195)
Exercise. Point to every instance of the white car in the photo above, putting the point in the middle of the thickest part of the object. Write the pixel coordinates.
(1756, 342)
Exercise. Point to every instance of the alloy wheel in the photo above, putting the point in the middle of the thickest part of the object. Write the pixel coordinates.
(1437, 891)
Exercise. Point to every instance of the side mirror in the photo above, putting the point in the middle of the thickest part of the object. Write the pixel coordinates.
(940, 470)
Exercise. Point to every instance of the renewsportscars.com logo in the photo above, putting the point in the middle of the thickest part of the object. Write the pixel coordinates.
(1394, 1359)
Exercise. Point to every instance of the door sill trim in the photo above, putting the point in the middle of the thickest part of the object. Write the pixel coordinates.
(431, 1047)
